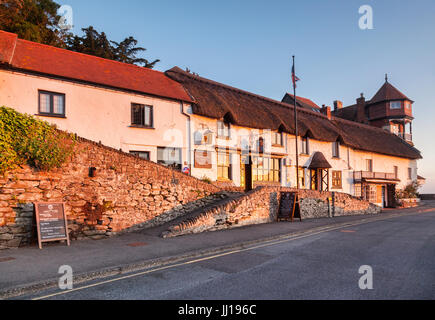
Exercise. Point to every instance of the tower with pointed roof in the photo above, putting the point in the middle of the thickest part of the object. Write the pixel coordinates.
(389, 109)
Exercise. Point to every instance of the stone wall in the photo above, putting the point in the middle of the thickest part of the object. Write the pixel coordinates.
(315, 204)
(262, 204)
(126, 191)
(254, 207)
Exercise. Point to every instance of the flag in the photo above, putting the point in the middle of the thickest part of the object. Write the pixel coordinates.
(294, 78)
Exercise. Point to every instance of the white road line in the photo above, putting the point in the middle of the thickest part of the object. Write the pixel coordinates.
(262, 245)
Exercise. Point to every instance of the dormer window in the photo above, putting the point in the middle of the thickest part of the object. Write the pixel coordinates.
(223, 130)
(336, 149)
(408, 105)
(395, 105)
(305, 145)
(277, 139)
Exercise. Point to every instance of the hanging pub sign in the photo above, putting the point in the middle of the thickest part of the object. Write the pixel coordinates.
(289, 207)
(51, 222)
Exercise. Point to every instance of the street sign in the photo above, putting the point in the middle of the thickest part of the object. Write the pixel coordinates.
(51, 222)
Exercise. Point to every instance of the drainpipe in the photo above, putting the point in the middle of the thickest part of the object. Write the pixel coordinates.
(189, 137)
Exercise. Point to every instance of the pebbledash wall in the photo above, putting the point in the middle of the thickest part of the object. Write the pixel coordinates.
(126, 192)
(261, 205)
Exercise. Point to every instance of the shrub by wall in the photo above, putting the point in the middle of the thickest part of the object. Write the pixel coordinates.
(24, 139)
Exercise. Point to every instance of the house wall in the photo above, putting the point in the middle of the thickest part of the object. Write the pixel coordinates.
(203, 124)
(350, 160)
(99, 114)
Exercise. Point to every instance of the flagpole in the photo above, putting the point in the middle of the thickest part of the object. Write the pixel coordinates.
(296, 123)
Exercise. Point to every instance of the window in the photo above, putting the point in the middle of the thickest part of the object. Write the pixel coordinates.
(266, 170)
(395, 105)
(305, 145)
(370, 193)
(276, 138)
(169, 157)
(260, 145)
(410, 173)
(223, 130)
(369, 165)
(301, 177)
(336, 149)
(141, 115)
(51, 104)
(224, 166)
(396, 172)
(336, 179)
(141, 154)
(408, 105)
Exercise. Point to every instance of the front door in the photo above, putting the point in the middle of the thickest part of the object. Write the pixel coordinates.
(246, 172)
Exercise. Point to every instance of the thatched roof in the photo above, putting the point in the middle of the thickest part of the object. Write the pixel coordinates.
(219, 101)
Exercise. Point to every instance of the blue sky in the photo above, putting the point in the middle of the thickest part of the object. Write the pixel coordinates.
(248, 44)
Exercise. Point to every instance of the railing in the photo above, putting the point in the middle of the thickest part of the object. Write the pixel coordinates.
(359, 175)
(405, 136)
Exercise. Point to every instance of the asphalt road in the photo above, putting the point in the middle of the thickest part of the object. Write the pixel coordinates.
(400, 252)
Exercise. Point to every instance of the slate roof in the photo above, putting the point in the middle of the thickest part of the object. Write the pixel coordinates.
(48, 60)
(219, 101)
(387, 93)
(301, 101)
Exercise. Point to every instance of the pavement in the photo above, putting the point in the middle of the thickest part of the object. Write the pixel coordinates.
(29, 270)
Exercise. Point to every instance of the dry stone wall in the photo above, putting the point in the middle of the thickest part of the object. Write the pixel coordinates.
(261, 206)
(126, 191)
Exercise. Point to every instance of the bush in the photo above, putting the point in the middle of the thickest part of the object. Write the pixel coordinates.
(409, 192)
(206, 180)
(24, 139)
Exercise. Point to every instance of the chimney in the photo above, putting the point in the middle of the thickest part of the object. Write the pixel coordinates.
(338, 105)
(326, 110)
(361, 107)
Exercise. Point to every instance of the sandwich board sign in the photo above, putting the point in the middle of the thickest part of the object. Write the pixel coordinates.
(289, 207)
(51, 222)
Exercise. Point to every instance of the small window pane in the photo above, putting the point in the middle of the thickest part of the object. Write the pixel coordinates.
(58, 104)
(147, 116)
(44, 103)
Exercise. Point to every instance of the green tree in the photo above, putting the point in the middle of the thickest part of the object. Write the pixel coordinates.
(95, 43)
(126, 52)
(33, 20)
(38, 21)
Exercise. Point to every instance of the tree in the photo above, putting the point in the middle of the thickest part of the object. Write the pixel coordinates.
(38, 21)
(93, 43)
(97, 44)
(33, 20)
(126, 52)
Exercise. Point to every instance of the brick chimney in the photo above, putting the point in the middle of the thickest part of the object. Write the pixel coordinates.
(326, 110)
(361, 107)
(338, 105)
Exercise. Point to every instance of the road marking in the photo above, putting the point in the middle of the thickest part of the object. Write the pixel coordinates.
(266, 243)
